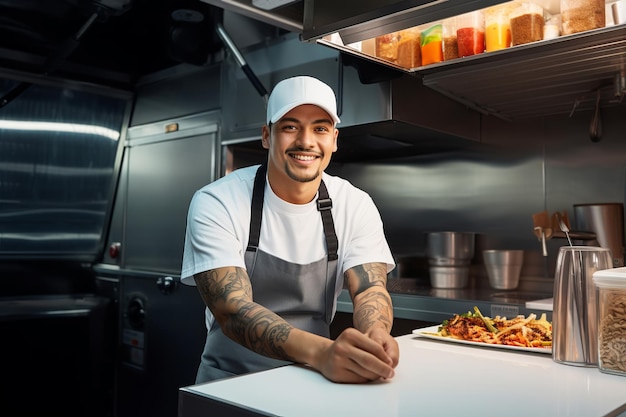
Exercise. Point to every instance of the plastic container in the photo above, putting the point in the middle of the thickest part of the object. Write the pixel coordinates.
(611, 284)
(581, 15)
(498, 27)
(409, 49)
(431, 40)
(552, 28)
(527, 22)
(387, 46)
(450, 47)
(470, 33)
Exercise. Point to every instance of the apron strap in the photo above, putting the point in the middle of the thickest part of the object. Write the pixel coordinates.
(258, 193)
(324, 205)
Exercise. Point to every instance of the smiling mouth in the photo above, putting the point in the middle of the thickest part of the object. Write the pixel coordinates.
(301, 157)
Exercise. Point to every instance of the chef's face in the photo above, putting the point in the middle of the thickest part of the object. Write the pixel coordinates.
(301, 143)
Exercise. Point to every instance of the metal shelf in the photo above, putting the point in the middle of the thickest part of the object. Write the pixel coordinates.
(543, 78)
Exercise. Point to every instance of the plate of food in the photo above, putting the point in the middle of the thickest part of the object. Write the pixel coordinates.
(530, 334)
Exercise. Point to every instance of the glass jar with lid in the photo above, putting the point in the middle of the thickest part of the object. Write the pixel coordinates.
(581, 15)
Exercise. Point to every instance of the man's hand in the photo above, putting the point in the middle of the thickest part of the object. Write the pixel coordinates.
(355, 357)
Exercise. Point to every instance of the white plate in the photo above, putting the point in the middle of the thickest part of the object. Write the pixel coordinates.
(430, 333)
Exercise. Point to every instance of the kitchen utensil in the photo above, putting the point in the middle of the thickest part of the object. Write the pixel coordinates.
(503, 268)
(563, 225)
(574, 316)
(606, 220)
(595, 128)
(542, 229)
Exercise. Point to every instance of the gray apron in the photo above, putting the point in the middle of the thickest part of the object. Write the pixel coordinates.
(292, 291)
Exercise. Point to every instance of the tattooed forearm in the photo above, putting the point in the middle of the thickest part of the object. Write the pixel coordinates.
(228, 293)
(373, 308)
(372, 303)
(260, 330)
(362, 277)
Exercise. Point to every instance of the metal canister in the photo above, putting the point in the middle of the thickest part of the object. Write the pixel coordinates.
(575, 311)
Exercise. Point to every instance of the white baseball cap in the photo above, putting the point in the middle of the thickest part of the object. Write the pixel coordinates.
(295, 91)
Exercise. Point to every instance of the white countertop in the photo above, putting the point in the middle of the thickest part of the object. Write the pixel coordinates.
(433, 379)
(543, 304)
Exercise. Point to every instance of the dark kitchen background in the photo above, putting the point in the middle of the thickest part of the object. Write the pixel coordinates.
(113, 112)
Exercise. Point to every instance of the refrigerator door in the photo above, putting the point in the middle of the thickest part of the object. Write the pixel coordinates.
(163, 175)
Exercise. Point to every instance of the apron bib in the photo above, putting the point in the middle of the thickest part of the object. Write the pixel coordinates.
(293, 291)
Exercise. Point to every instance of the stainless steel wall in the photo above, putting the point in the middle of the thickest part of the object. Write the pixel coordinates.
(493, 187)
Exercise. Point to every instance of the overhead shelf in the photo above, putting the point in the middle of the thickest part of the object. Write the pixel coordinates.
(542, 78)
(557, 76)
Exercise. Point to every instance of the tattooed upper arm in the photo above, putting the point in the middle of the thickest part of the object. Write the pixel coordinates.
(224, 289)
(362, 277)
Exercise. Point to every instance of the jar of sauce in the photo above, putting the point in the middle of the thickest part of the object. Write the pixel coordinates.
(470, 33)
(498, 27)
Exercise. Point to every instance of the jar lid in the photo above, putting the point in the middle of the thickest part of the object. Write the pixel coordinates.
(610, 278)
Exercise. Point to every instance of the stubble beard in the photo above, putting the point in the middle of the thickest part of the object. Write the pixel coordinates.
(300, 178)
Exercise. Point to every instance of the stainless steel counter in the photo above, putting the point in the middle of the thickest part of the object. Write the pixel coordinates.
(415, 300)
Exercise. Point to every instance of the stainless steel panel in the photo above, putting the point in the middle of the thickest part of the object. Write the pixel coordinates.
(163, 174)
(59, 153)
(493, 190)
(176, 92)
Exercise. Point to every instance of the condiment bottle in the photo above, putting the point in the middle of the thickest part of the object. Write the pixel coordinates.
(581, 15)
(497, 27)
(450, 47)
(431, 44)
(409, 49)
(527, 23)
(470, 33)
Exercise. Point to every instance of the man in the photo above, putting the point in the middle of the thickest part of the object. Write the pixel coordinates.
(269, 247)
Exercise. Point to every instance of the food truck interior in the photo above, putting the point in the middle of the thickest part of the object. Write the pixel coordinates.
(113, 112)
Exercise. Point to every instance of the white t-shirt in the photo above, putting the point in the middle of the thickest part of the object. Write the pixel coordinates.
(218, 226)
